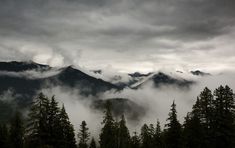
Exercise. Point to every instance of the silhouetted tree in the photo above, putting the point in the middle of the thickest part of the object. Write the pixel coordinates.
(157, 138)
(146, 138)
(205, 109)
(83, 135)
(66, 130)
(37, 128)
(53, 122)
(173, 135)
(48, 126)
(123, 134)
(108, 132)
(193, 132)
(223, 125)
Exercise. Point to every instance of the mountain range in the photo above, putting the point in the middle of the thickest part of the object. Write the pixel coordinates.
(26, 79)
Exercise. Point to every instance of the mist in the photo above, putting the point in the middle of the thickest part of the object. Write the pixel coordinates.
(77, 107)
(32, 74)
(156, 101)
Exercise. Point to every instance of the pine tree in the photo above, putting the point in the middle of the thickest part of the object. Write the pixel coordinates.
(4, 136)
(173, 131)
(53, 122)
(37, 128)
(108, 132)
(123, 134)
(48, 126)
(205, 108)
(145, 137)
(135, 141)
(83, 135)
(66, 130)
(194, 136)
(157, 138)
(116, 134)
(93, 143)
(223, 126)
(17, 131)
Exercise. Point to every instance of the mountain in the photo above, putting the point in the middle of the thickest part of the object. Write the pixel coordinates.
(17, 76)
(15, 66)
(138, 80)
(87, 84)
(161, 78)
(130, 79)
(199, 73)
(138, 74)
(26, 79)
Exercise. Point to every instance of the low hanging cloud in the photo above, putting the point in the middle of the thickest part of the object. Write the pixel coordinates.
(32, 74)
(155, 101)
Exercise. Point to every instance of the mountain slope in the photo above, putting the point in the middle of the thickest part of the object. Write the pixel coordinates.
(160, 78)
(16, 76)
(15, 66)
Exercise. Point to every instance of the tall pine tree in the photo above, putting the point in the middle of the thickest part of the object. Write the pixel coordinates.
(83, 135)
(173, 132)
(37, 128)
(205, 109)
(146, 138)
(193, 133)
(123, 134)
(53, 122)
(223, 126)
(66, 130)
(157, 138)
(108, 132)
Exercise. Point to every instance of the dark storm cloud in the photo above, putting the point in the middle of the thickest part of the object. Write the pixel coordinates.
(72, 31)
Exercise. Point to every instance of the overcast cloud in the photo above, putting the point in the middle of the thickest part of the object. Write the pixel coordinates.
(127, 35)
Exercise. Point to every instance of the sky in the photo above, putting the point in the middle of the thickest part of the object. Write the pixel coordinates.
(125, 35)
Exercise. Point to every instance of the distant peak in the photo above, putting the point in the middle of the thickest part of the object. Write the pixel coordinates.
(199, 73)
(99, 71)
(138, 74)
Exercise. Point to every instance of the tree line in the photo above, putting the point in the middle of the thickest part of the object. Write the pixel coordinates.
(210, 124)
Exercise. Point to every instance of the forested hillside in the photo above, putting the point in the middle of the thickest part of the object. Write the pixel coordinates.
(210, 124)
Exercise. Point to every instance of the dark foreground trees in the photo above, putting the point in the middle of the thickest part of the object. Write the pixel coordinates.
(48, 125)
(211, 124)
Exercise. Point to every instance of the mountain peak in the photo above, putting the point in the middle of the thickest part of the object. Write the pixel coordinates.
(138, 74)
(199, 73)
